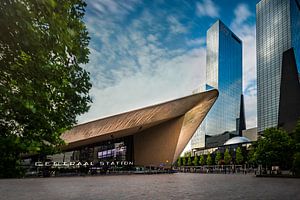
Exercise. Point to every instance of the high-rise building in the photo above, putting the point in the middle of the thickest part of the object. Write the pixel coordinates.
(223, 72)
(277, 30)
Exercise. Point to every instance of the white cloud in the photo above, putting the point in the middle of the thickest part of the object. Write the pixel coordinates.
(241, 13)
(112, 6)
(196, 42)
(175, 26)
(152, 38)
(207, 8)
(247, 33)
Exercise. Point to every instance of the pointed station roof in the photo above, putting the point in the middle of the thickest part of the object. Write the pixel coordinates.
(161, 130)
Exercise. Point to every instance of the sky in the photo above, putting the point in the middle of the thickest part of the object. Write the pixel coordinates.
(152, 51)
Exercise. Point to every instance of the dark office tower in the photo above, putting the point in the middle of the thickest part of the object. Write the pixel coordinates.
(223, 72)
(277, 30)
(289, 106)
(241, 121)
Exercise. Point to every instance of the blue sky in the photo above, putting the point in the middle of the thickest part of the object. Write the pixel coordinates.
(146, 52)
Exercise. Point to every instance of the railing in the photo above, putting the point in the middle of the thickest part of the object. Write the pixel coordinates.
(216, 169)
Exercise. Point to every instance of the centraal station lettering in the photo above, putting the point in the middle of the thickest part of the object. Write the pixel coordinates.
(84, 164)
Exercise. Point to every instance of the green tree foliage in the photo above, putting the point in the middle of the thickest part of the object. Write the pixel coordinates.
(187, 154)
(274, 148)
(209, 160)
(183, 161)
(202, 160)
(42, 86)
(251, 156)
(296, 144)
(179, 162)
(296, 163)
(227, 157)
(239, 156)
(189, 162)
(195, 161)
(296, 137)
(218, 158)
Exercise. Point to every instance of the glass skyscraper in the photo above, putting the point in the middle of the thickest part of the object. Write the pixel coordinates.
(277, 30)
(223, 72)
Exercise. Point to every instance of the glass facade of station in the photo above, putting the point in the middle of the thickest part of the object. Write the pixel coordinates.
(277, 30)
(223, 72)
(115, 154)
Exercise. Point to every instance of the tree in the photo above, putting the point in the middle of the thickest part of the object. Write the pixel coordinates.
(189, 162)
(296, 144)
(274, 148)
(202, 160)
(195, 161)
(42, 86)
(227, 157)
(218, 158)
(251, 156)
(239, 156)
(209, 160)
(179, 162)
(296, 137)
(187, 154)
(183, 161)
(296, 163)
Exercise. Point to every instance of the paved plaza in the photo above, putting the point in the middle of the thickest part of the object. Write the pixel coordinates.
(164, 186)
